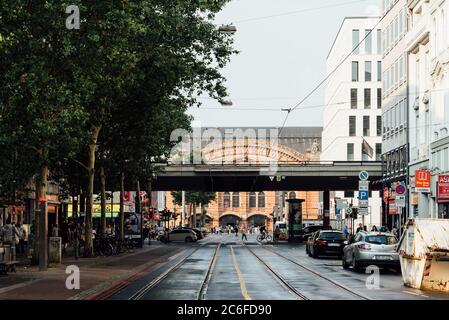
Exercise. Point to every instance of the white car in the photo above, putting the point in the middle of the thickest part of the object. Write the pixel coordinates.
(371, 248)
(184, 235)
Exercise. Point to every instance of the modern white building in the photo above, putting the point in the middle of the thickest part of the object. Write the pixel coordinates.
(428, 58)
(394, 104)
(353, 113)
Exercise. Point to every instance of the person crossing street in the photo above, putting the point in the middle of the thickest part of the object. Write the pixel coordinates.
(244, 233)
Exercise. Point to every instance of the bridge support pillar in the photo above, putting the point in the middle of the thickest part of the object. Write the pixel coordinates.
(326, 209)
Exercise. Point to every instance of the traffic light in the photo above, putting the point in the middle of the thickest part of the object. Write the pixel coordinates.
(354, 214)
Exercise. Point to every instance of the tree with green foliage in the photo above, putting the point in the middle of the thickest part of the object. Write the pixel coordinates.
(194, 199)
(132, 67)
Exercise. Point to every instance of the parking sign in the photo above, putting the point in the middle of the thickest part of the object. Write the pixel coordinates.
(363, 195)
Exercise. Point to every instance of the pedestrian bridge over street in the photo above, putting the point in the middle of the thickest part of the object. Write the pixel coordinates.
(298, 176)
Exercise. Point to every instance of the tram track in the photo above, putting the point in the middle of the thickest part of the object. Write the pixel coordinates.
(278, 277)
(143, 291)
(303, 267)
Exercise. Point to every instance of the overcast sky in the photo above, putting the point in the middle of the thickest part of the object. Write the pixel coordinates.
(282, 58)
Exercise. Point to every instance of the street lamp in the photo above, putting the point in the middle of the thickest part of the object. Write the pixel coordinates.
(226, 103)
(228, 29)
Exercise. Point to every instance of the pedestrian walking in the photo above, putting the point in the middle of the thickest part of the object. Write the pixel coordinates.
(236, 231)
(359, 228)
(55, 231)
(277, 233)
(346, 232)
(374, 229)
(244, 234)
(10, 235)
(22, 236)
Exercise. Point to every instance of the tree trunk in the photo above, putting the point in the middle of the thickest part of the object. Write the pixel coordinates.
(194, 216)
(103, 200)
(43, 218)
(36, 225)
(89, 248)
(122, 205)
(139, 212)
(190, 216)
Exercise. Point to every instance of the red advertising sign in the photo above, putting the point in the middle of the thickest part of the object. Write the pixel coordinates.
(392, 208)
(422, 181)
(386, 194)
(443, 188)
(127, 196)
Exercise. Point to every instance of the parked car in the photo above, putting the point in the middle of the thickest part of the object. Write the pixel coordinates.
(326, 243)
(183, 235)
(310, 242)
(306, 232)
(371, 248)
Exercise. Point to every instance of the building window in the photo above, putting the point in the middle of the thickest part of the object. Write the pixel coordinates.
(378, 151)
(379, 126)
(252, 200)
(368, 71)
(396, 29)
(368, 42)
(379, 71)
(355, 41)
(354, 98)
(235, 199)
(292, 195)
(401, 69)
(261, 200)
(350, 151)
(352, 126)
(355, 71)
(379, 98)
(349, 194)
(226, 200)
(367, 98)
(379, 41)
(366, 131)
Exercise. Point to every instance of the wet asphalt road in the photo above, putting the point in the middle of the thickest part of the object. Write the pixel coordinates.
(224, 268)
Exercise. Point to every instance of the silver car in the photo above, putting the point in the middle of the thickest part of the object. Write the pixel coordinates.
(372, 248)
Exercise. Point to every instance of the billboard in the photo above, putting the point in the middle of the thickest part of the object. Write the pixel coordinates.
(392, 208)
(422, 181)
(133, 223)
(443, 188)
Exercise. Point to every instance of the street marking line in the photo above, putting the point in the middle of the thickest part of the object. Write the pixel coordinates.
(240, 275)
(415, 294)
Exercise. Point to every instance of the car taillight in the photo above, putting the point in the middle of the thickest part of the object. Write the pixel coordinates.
(364, 246)
(321, 243)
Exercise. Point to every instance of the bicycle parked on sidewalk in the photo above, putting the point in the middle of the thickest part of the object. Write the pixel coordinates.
(103, 246)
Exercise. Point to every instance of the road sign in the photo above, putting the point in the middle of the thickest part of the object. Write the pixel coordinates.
(363, 211)
(363, 203)
(400, 201)
(349, 210)
(401, 189)
(363, 175)
(363, 185)
(363, 195)
(342, 204)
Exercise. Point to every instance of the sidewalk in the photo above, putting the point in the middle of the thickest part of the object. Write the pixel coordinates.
(96, 274)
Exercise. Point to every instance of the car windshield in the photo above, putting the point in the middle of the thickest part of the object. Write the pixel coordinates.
(381, 239)
(332, 236)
